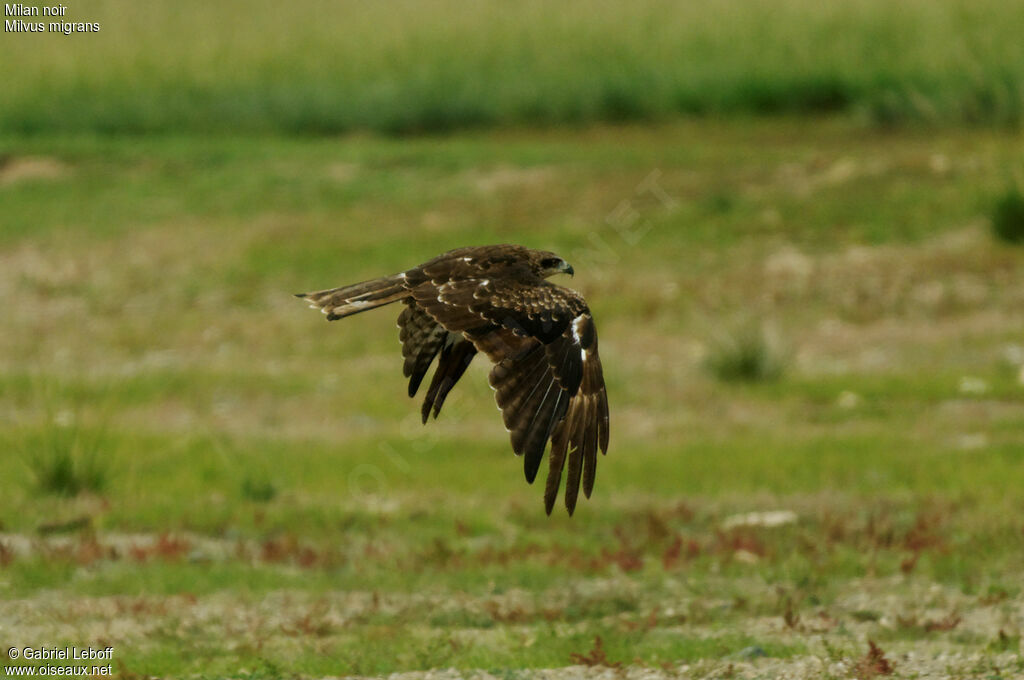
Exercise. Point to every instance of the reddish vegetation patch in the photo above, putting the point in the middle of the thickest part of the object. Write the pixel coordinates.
(735, 540)
(679, 551)
(873, 663)
(907, 565)
(925, 534)
(948, 623)
(167, 548)
(595, 657)
(627, 559)
(288, 549)
(314, 622)
(664, 535)
(790, 617)
(882, 531)
(932, 625)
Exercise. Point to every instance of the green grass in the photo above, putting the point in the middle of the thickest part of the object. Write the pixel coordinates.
(318, 68)
(273, 507)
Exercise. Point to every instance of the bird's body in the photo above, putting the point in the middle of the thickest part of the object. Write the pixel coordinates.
(540, 337)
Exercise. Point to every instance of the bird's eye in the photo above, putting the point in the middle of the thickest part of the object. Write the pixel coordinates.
(549, 262)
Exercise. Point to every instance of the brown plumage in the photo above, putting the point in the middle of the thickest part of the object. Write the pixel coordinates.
(540, 337)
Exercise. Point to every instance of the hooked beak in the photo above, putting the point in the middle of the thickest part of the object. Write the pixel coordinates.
(566, 268)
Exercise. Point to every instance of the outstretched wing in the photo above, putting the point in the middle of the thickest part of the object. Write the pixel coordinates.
(547, 375)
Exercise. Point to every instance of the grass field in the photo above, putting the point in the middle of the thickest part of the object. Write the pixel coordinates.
(259, 499)
(431, 65)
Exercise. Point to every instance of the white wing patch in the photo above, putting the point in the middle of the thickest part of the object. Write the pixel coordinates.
(576, 324)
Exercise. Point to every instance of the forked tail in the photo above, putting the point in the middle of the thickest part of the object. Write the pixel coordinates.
(359, 297)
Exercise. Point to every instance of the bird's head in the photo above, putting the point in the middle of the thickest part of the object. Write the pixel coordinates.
(547, 264)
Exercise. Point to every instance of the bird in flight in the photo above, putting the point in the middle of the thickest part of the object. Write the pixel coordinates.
(547, 375)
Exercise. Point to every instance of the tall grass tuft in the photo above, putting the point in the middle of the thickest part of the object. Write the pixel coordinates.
(746, 353)
(70, 450)
(67, 459)
(1008, 217)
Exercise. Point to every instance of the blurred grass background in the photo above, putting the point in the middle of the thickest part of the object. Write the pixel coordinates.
(188, 450)
(818, 311)
(320, 67)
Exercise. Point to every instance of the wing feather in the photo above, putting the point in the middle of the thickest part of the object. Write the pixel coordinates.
(524, 405)
(548, 413)
(454, 360)
(511, 376)
(572, 480)
(589, 446)
(421, 339)
(556, 462)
